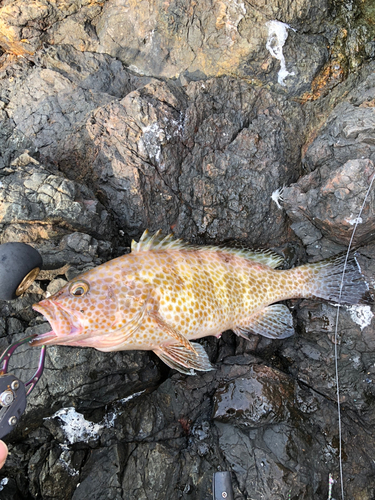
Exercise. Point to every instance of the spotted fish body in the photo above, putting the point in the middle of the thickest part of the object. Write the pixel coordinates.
(166, 293)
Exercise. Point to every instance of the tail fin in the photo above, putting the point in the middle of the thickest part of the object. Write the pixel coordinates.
(327, 280)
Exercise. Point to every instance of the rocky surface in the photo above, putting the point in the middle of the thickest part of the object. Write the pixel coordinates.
(191, 117)
(41, 205)
(323, 205)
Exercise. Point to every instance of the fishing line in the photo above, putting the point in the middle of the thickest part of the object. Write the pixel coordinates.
(336, 334)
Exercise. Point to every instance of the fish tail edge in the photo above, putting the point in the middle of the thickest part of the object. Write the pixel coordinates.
(329, 281)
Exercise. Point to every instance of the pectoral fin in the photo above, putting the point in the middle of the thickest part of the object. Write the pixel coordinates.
(181, 339)
(274, 322)
(179, 358)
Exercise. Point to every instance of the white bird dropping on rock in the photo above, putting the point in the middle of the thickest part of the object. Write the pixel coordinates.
(277, 35)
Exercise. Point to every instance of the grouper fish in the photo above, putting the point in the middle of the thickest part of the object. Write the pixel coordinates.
(166, 293)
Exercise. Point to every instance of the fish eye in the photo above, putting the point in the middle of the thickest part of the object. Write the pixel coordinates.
(79, 288)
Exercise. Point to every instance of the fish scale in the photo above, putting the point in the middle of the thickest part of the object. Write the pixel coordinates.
(166, 293)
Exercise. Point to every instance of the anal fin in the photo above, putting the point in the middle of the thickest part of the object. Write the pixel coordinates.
(179, 358)
(274, 321)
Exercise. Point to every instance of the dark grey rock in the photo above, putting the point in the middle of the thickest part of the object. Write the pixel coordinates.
(259, 398)
(325, 203)
(193, 153)
(139, 149)
(31, 194)
(104, 477)
(232, 143)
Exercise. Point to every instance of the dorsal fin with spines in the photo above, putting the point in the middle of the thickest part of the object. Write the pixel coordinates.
(157, 242)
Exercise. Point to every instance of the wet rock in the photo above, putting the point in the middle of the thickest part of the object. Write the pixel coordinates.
(261, 397)
(2, 327)
(19, 308)
(9, 490)
(174, 447)
(310, 355)
(57, 468)
(88, 381)
(276, 460)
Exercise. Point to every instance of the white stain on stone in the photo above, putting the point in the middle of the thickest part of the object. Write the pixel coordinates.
(3, 483)
(132, 396)
(156, 135)
(136, 70)
(150, 142)
(361, 315)
(356, 362)
(66, 461)
(354, 220)
(277, 35)
(75, 427)
(110, 418)
(277, 197)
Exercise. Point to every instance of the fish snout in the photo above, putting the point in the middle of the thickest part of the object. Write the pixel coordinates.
(60, 320)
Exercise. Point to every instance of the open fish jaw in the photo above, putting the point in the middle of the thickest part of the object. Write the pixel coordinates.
(60, 321)
(48, 338)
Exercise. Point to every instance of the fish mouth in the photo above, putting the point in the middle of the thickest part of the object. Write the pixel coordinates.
(63, 330)
(48, 338)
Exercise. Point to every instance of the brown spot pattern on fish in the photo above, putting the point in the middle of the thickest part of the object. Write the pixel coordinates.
(167, 293)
